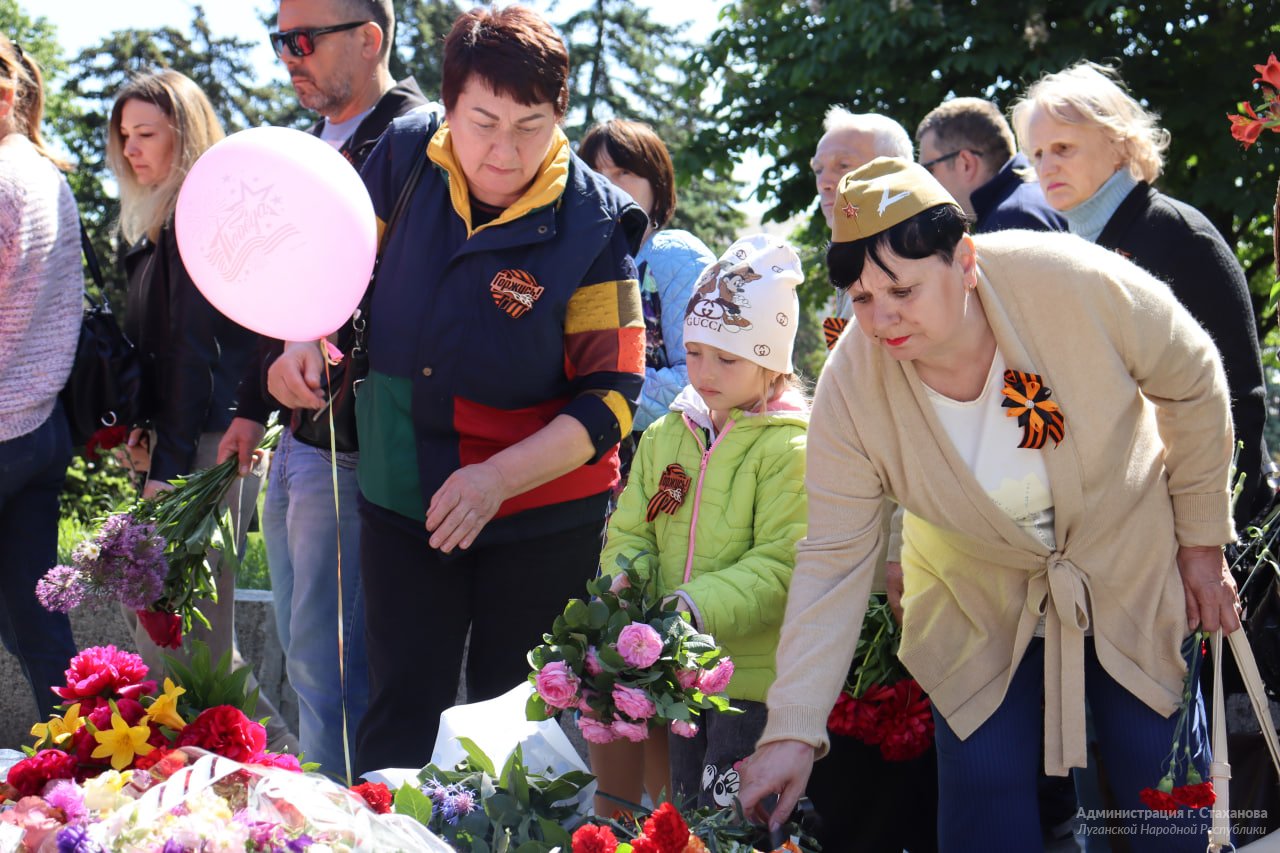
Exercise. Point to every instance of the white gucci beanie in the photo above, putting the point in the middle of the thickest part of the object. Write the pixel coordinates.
(746, 303)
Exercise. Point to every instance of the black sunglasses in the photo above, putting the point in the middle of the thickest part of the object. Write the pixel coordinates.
(302, 41)
(928, 164)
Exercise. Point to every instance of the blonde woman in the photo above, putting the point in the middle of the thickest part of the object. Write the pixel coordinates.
(1097, 152)
(192, 356)
(41, 291)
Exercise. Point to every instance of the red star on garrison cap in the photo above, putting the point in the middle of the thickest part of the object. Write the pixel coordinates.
(850, 210)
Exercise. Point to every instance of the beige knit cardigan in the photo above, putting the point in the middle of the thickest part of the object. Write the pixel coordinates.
(1143, 467)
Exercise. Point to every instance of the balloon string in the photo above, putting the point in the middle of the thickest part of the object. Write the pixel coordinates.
(337, 512)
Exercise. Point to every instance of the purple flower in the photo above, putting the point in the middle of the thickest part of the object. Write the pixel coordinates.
(75, 839)
(125, 561)
(66, 795)
(639, 645)
(61, 590)
(172, 846)
(463, 803)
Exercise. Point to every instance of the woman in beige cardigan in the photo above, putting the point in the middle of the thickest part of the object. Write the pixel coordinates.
(1065, 552)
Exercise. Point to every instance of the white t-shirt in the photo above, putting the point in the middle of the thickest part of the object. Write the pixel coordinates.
(987, 440)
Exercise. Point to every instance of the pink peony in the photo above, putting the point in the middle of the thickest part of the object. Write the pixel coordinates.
(557, 685)
(105, 672)
(688, 678)
(639, 645)
(633, 702)
(634, 732)
(281, 760)
(683, 728)
(717, 679)
(594, 731)
(592, 662)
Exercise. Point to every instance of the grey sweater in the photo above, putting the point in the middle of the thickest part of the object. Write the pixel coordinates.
(41, 286)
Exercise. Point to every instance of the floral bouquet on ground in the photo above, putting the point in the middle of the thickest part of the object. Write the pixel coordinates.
(1195, 792)
(117, 735)
(627, 661)
(881, 705)
(667, 830)
(475, 807)
(152, 557)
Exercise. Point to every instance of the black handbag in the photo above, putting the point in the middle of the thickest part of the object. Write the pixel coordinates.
(345, 378)
(106, 378)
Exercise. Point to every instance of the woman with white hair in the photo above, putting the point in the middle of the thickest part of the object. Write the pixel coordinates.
(1097, 152)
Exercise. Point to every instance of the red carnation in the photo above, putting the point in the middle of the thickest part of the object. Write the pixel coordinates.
(151, 759)
(1159, 801)
(225, 730)
(866, 712)
(30, 774)
(666, 827)
(105, 439)
(906, 723)
(645, 845)
(590, 838)
(377, 795)
(840, 720)
(164, 628)
(1198, 796)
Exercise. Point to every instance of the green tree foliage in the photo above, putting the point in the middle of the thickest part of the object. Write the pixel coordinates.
(421, 26)
(622, 66)
(220, 66)
(781, 63)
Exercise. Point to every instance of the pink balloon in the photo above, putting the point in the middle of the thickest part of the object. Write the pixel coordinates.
(277, 231)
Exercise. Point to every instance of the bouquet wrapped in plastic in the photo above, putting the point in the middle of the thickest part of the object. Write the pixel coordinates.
(627, 661)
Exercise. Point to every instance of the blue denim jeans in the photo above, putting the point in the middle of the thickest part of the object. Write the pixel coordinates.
(33, 468)
(987, 783)
(300, 530)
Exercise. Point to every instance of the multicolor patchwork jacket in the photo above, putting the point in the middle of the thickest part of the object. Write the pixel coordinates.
(480, 336)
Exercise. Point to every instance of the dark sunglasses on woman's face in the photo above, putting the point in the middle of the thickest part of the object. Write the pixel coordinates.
(302, 41)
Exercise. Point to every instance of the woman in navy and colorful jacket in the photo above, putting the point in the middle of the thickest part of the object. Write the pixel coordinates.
(506, 348)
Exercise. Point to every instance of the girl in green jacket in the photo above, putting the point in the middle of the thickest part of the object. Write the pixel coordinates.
(715, 505)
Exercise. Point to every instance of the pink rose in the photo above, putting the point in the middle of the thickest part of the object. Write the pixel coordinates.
(684, 728)
(584, 701)
(717, 679)
(639, 645)
(634, 732)
(688, 678)
(594, 731)
(592, 663)
(557, 685)
(633, 702)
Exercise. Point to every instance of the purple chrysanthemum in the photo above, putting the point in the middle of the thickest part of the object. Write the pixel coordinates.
(75, 839)
(61, 590)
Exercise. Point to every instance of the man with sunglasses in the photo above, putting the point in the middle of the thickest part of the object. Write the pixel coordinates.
(337, 53)
(968, 146)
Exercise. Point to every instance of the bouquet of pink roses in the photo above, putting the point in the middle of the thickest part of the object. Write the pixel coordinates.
(627, 661)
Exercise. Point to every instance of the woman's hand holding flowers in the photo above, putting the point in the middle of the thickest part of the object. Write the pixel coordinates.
(1210, 590)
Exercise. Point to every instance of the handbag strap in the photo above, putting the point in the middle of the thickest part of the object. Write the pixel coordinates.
(95, 271)
(360, 321)
(1220, 769)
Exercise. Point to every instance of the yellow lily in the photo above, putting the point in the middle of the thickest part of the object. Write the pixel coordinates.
(58, 729)
(122, 743)
(164, 710)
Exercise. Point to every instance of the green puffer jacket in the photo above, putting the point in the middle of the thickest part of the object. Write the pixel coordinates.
(724, 524)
